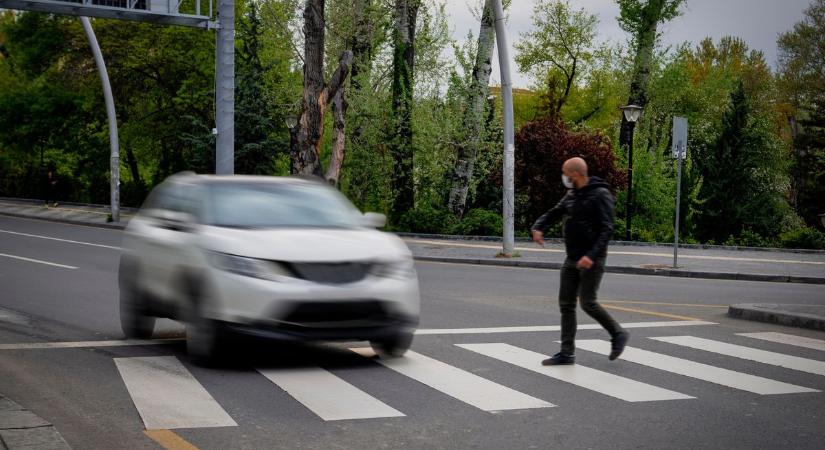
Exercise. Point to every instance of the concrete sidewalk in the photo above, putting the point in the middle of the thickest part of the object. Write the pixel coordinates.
(21, 429)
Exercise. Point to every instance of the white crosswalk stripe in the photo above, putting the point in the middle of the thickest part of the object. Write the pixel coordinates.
(457, 383)
(167, 396)
(705, 372)
(595, 380)
(789, 339)
(748, 353)
(327, 395)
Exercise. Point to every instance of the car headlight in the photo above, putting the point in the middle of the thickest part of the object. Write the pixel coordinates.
(250, 267)
(401, 269)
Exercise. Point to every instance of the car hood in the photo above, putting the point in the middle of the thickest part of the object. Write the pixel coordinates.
(306, 245)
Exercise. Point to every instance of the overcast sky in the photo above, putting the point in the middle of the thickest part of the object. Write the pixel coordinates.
(758, 22)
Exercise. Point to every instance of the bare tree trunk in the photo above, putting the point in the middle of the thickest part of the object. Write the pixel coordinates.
(306, 154)
(401, 145)
(474, 114)
(339, 111)
(797, 178)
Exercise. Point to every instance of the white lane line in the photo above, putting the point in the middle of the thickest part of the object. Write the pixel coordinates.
(492, 330)
(59, 239)
(328, 396)
(459, 384)
(85, 344)
(704, 372)
(167, 396)
(614, 252)
(789, 339)
(751, 354)
(595, 380)
(38, 261)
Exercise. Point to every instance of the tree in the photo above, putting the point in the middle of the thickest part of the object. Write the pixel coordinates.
(742, 173)
(401, 144)
(473, 123)
(641, 18)
(306, 156)
(558, 50)
(802, 81)
(254, 148)
(542, 147)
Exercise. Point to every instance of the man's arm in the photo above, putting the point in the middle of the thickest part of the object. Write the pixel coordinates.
(604, 220)
(552, 215)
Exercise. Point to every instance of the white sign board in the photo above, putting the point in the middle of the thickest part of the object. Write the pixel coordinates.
(680, 134)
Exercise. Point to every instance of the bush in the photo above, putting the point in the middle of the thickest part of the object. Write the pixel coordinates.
(426, 219)
(480, 222)
(749, 238)
(806, 237)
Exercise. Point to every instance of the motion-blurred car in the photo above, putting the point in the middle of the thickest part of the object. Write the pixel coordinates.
(272, 257)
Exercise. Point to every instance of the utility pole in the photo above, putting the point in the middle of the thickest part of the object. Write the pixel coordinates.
(509, 130)
(225, 89)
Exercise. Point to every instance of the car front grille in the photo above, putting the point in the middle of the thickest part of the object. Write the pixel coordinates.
(330, 273)
(336, 312)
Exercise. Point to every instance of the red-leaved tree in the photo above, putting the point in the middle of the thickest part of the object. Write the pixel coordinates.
(542, 146)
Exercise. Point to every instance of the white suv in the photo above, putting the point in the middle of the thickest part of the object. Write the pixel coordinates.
(285, 258)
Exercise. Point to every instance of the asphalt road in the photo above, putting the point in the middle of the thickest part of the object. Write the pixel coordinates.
(84, 394)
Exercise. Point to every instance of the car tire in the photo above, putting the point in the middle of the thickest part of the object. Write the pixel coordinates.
(393, 347)
(135, 320)
(205, 338)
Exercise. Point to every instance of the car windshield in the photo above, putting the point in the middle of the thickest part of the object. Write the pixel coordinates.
(276, 205)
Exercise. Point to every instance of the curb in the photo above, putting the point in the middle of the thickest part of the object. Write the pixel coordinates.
(632, 270)
(22, 429)
(450, 237)
(798, 320)
(109, 225)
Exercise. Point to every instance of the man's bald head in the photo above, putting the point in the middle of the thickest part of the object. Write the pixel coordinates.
(574, 165)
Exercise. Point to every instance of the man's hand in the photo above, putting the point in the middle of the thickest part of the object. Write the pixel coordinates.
(538, 237)
(584, 263)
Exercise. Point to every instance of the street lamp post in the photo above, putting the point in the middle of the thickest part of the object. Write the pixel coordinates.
(631, 114)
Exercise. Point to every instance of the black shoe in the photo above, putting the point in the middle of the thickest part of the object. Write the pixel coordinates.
(559, 359)
(618, 343)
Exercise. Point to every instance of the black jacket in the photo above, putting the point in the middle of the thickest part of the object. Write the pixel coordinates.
(589, 219)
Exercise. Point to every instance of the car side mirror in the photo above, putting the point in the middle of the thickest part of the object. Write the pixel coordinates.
(174, 220)
(375, 220)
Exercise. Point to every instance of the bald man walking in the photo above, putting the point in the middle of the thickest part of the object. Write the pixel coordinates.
(588, 211)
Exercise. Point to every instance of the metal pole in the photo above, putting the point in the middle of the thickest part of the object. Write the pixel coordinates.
(509, 130)
(678, 203)
(628, 212)
(225, 89)
(114, 163)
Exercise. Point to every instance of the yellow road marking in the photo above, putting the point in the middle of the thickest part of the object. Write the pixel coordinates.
(169, 440)
(691, 305)
(650, 313)
(668, 255)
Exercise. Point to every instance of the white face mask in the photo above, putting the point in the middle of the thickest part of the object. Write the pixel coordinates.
(566, 181)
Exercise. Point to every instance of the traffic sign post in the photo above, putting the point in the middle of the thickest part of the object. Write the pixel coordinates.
(679, 148)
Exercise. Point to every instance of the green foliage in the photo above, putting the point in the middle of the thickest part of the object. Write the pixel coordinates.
(748, 238)
(742, 174)
(806, 237)
(427, 219)
(480, 222)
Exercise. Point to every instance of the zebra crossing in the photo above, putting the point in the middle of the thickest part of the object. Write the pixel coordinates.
(168, 396)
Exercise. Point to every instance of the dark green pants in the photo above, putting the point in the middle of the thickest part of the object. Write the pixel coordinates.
(583, 284)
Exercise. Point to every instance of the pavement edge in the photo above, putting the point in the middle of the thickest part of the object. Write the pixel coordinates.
(22, 429)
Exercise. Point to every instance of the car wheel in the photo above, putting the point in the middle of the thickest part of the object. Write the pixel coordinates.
(135, 321)
(204, 336)
(393, 347)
